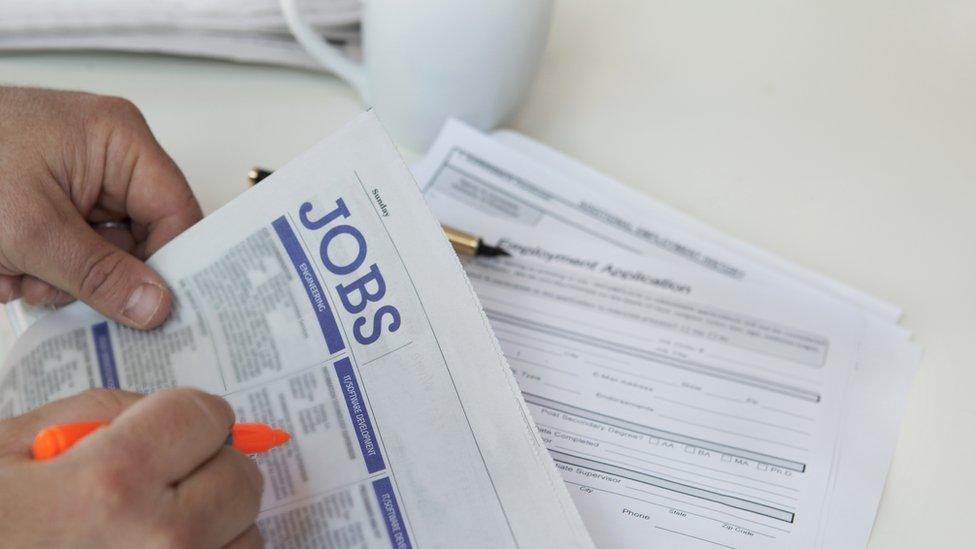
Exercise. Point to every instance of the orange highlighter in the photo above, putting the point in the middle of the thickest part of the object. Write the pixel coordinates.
(249, 438)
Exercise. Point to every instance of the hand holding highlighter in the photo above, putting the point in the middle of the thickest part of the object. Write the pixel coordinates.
(249, 438)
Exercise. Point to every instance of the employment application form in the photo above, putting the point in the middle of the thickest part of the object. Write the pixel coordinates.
(691, 393)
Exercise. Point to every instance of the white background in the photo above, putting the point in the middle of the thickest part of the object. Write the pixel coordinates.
(839, 134)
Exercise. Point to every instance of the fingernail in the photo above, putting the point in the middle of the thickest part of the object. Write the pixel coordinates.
(143, 303)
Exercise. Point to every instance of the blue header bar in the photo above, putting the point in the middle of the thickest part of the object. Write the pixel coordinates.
(391, 513)
(360, 417)
(105, 355)
(316, 294)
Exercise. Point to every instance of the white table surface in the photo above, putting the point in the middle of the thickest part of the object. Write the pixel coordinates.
(840, 135)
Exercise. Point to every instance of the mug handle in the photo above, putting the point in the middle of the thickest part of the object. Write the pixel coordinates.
(326, 54)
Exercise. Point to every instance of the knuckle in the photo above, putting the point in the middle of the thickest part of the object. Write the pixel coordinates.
(102, 274)
(198, 403)
(117, 107)
(213, 405)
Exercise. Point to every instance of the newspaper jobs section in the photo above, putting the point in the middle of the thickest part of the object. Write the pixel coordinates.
(310, 323)
(370, 404)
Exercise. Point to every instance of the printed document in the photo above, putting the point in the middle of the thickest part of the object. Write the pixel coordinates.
(879, 389)
(593, 210)
(678, 412)
(327, 302)
(693, 394)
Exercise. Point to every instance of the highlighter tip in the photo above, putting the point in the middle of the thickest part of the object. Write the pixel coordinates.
(281, 437)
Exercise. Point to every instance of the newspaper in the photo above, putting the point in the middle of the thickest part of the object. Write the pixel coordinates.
(327, 302)
(246, 31)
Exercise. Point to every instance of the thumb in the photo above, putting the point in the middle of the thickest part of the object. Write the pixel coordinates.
(111, 281)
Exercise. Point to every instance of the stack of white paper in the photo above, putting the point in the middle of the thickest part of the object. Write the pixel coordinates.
(238, 30)
(695, 391)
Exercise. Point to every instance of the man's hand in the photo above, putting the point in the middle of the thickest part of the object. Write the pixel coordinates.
(158, 476)
(71, 161)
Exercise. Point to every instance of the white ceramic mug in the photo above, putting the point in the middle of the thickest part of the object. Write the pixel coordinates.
(427, 60)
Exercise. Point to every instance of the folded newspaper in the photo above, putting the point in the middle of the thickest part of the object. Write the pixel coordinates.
(248, 31)
(327, 302)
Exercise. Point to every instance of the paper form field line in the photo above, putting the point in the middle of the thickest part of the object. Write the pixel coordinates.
(789, 507)
(662, 434)
(734, 416)
(724, 397)
(578, 355)
(540, 365)
(755, 366)
(798, 416)
(716, 511)
(566, 389)
(672, 486)
(683, 462)
(680, 479)
(669, 477)
(527, 346)
(734, 433)
(696, 367)
(683, 508)
(595, 329)
(693, 537)
(632, 374)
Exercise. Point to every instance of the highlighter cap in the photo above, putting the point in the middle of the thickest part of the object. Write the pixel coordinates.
(55, 440)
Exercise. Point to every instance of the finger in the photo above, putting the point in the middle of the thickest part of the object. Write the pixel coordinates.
(160, 199)
(118, 235)
(9, 288)
(167, 434)
(17, 434)
(37, 292)
(63, 298)
(76, 259)
(250, 539)
(143, 181)
(222, 498)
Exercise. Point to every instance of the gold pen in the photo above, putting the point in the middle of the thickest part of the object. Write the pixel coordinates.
(462, 242)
